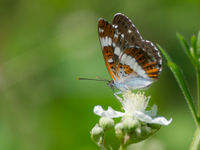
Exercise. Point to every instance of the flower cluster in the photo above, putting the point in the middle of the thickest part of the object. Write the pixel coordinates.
(137, 122)
(134, 106)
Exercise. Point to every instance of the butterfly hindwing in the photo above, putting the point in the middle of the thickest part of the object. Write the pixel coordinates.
(153, 52)
(135, 40)
(136, 62)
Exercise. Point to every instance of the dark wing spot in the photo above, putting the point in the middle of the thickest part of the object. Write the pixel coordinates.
(133, 38)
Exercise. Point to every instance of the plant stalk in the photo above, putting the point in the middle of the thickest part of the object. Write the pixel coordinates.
(122, 147)
(198, 92)
(196, 140)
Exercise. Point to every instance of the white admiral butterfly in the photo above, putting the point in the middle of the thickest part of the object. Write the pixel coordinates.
(132, 62)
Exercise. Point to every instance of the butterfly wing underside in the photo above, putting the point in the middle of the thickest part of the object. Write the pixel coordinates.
(140, 57)
(126, 27)
(136, 62)
(112, 43)
(130, 60)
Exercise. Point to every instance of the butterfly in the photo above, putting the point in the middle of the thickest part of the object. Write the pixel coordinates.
(132, 62)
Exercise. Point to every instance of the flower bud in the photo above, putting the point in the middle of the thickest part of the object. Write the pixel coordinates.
(97, 130)
(118, 130)
(145, 130)
(106, 123)
(97, 134)
(138, 132)
(130, 124)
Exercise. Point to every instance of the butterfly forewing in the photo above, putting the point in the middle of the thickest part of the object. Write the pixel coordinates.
(112, 44)
(126, 27)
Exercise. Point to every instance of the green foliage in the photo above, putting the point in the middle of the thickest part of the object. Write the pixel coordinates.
(192, 53)
(181, 82)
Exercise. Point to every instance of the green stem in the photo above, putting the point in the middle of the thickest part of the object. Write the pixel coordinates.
(103, 148)
(196, 140)
(198, 92)
(181, 82)
(122, 147)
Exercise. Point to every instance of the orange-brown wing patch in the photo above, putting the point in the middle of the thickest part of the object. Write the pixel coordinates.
(146, 65)
(126, 68)
(111, 43)
(152, 69)
(124, 71)
(108, 57)
(105, 29)
(152, 50)
(110, 36)
(152, 72)
(149, 64)
(106, 34)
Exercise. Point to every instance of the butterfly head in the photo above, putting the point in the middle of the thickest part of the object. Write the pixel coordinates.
(111, 84)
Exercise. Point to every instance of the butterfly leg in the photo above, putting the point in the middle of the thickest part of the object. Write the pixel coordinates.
(118, 98)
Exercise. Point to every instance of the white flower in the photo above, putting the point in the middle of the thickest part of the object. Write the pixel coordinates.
(134, 106)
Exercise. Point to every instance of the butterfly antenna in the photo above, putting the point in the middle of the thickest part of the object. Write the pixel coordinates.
(97, 77)
(92, 79)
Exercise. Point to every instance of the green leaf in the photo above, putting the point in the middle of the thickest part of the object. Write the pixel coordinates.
(181, 82)
(184, 44)
(193, 50)
(187, 50)
(198, 44)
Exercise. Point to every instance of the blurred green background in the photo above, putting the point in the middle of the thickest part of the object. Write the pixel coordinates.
(46, 45)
